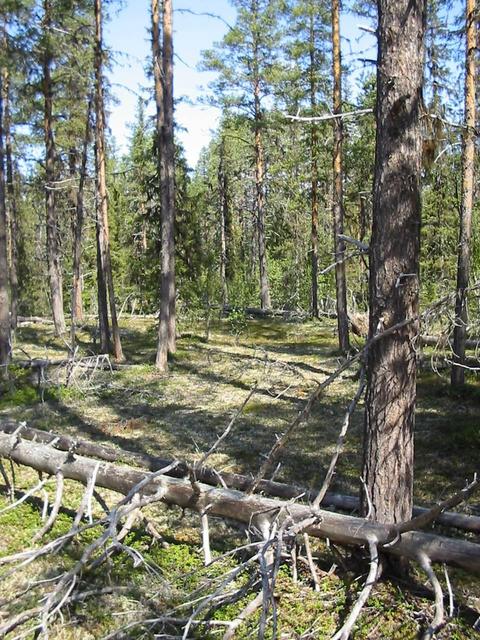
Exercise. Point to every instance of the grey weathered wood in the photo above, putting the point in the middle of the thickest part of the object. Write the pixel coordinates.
(235, 505)
(214, 478)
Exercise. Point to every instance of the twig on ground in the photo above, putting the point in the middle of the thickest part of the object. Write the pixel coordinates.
(340, 442)
(439, 618)
(346, 630)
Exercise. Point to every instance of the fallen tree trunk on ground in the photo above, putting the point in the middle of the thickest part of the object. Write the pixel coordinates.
(286, 314)
(212, 477)
(234, 505)
(33, 320)
(443, 342)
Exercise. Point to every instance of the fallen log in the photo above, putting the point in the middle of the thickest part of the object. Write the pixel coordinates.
(33, 320)
(235, 505)
(255, 312)
(212, 477)
(442, 342)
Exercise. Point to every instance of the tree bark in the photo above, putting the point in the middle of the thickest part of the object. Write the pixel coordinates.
(5, 346)
(314, 171)
(235, 505)
(11, 202)
(76, 310)
(104, 263)
(53, 248)
(224, 219)
(468, 180)
(265, 300)
(163, 74)
(214, 478)
(394, 263)
(77, 306)
(338, 212)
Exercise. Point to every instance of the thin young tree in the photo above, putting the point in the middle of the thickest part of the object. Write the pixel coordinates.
(258, 125)
(394, 263)
(338, 210)
(468, 182)
(4, 283)
(53, 245)
(163, 76)
(104, 264)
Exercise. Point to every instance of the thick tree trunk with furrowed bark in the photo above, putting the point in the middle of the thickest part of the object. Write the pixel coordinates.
(394, 263)
(468, 189)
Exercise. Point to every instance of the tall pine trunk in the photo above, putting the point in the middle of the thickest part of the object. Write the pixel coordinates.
(338, 213)
(468, 173)
(4, 296)
(224, 221)
(76, 301)
(11, 198)
(314, 172)
(394, 263)
(265, 301)
(77, 306)
(163, 75)
(53, 248)
(104, 265)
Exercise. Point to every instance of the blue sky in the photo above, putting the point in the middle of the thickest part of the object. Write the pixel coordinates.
(127, 34)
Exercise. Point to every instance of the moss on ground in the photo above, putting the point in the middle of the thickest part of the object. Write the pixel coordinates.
(181, 415)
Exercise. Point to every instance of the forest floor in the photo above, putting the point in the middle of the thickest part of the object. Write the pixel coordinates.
(181, 414)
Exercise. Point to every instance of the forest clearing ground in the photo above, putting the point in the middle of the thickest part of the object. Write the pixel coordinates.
(181, 415)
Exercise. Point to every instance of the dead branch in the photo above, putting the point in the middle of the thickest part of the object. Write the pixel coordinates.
(211, 476)
(438, 620)
(234, 505)
(55, 508)
(346, 630)
(331, 116)
(340, 442)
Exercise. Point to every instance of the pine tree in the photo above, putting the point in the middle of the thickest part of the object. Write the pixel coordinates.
(394, 264)
(244, 61)
(104, 264)
(468, 189)
(5, 346)
(163, 74)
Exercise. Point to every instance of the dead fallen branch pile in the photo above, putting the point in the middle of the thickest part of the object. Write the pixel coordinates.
(207, 475)
(235, 505)
(274, 521)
